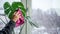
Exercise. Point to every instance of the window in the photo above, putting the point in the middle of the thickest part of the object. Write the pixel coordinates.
(46, 14)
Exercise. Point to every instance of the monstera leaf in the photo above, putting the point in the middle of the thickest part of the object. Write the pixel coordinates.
(19, 5)
(10, 9)
(7, 8)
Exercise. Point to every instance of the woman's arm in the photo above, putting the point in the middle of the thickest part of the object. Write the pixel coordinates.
(8, 28)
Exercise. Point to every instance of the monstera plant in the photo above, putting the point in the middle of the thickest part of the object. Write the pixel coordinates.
(10, 9)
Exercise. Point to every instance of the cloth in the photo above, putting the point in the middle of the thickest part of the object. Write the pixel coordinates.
(8, 28)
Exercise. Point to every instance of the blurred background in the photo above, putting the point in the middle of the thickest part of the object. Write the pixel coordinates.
(44, 13)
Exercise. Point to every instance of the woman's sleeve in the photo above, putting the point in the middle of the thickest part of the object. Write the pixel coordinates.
(8, 28)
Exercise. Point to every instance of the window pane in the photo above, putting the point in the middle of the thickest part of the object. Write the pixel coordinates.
(46, 14)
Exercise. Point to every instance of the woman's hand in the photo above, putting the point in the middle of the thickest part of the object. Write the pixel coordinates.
(16, 16)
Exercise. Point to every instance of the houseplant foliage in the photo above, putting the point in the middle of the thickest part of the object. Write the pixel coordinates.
(10, 9)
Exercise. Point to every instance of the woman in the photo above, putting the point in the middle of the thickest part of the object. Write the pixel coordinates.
(9, 26)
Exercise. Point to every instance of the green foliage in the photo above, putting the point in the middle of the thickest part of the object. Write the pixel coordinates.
(6, 7)
(10, 9)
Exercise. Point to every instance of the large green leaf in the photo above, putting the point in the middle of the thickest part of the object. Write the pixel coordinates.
(16, 5)
(6, 7)
(10, 9)
(23, 11)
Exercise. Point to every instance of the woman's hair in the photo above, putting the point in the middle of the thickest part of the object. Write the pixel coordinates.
(16, 10)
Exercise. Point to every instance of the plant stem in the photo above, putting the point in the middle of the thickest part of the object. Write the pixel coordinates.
(21, 28)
